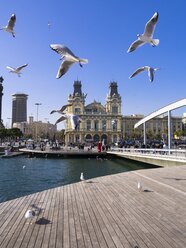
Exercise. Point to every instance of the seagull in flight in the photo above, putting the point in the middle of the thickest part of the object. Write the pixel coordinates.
(147, 36)
(150, 70)
(68, 59)
(74, 120)
(16, 70)
(60, 111)
(10, 26)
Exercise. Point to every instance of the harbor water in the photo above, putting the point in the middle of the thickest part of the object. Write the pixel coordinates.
(21, 176)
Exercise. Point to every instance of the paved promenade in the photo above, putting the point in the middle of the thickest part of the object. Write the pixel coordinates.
(105, 212)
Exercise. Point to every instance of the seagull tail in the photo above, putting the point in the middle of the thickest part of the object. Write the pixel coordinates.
(155, 42)
(83, 61)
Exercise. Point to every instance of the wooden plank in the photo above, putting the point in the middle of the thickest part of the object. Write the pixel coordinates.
(54, 218)
(77, 216)
(60, 219)
(72, 226)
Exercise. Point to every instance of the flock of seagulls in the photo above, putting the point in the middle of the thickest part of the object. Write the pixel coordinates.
(69, 58)
(10, 29)
(146, 37)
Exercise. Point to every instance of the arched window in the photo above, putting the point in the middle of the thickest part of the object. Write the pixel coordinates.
(88, 137)
(96, 138)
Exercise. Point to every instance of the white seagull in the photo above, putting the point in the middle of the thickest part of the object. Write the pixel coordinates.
(68, 58)
(147, 36)
(16, 70)
(74, 120)
(82, 177)
(150, 70)
(30, 214)
(10, 26)
(139, 186)
(60, 111)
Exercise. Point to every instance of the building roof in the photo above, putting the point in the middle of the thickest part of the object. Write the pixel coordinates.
(95, 107)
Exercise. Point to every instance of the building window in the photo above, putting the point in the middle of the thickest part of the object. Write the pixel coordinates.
(88, 125)
(103, 125)
(88, 137)
(94, 110)
(77, 138)
(77, 110)
(114, 125)
(96, 125)
(115, 109)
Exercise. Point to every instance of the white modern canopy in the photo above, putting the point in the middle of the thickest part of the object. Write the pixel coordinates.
(166, 109)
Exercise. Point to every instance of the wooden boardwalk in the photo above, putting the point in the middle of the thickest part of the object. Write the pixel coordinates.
(105, 212)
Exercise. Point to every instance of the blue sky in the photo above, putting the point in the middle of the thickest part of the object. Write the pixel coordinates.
(100, 31)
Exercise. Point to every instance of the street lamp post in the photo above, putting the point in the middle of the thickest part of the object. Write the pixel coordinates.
(37, 104)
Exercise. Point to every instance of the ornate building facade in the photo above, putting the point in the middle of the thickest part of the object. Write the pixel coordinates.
(99, 122)
(105, 123)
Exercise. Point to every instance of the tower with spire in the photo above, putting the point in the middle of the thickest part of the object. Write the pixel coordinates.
(113, 100)
(77, 99)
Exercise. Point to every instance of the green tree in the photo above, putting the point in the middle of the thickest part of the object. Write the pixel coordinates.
(149, 133)
(3, 134)
(13, 133)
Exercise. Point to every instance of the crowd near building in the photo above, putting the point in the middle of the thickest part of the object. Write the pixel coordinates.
(100, 122)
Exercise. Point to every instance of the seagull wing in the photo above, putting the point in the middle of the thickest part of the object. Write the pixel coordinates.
(64, 67)
(75, 120)
(64, 107)
(62, 50)
(10, 68)
(138, 71)
(150, 26)
(53, 111)
(62, 118)
(11, 22)
(135, 44)
(21, 67)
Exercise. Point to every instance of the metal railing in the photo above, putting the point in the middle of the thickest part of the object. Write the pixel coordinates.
(178, 154)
